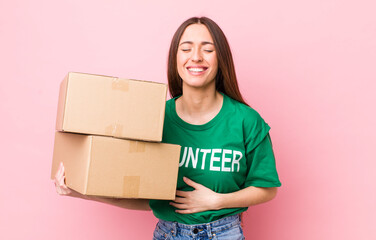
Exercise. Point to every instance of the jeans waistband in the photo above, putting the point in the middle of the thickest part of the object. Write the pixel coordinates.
(215, 226)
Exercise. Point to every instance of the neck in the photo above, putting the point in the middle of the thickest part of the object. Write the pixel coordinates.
(195, 102)
(198, 106)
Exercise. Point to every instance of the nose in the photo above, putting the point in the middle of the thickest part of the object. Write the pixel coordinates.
(197, 55)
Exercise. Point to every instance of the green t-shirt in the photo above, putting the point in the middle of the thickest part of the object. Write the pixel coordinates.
(231, 152)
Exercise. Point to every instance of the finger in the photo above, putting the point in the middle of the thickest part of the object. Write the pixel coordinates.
(62, 190)
(57, 182)
(64, 187)
(180, 200)
(60, 171)
(191, 183)
(182, 193)
(61, 174)
(185, 211)
(57, 174)
(60, 181)
(58, 190)
(67, 191)
(178, 205)
(57, 185)
(61, 167)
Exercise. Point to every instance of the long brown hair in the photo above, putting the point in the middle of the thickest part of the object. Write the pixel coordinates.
(225, 80)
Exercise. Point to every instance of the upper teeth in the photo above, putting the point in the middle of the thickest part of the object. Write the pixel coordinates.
(196, 69)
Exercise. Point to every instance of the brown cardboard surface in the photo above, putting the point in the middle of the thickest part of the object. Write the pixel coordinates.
(110, 106)
(111, 167)
(74, 151)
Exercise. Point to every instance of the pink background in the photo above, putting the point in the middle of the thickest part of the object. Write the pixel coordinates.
(308, 67)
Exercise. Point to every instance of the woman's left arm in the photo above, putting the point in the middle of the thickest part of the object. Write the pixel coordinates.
(204, 199)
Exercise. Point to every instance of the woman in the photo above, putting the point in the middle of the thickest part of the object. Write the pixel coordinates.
(227, 162)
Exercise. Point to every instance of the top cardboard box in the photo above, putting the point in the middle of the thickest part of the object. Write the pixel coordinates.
(111, 106)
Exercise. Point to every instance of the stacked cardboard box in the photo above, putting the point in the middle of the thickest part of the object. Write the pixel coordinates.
(108, 138)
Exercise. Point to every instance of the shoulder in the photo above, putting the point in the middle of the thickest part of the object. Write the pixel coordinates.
(248, 114)
(254, 126)
(170, 101)
(169, 105)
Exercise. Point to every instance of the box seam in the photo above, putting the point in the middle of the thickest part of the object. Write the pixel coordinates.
(100, 75)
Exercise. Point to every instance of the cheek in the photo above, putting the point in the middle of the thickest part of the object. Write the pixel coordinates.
(214, 64)
(213, 61)
(180, 60)
(179, 65)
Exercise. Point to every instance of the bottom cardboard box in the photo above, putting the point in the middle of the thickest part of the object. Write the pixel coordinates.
(111, 167)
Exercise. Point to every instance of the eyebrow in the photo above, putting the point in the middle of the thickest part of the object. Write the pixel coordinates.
(203, 43)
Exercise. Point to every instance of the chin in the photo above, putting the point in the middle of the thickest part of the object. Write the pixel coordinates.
(198, 82)
(197, 85)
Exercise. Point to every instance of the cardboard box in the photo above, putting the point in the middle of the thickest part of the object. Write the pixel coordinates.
(110, 106)
(112, 167)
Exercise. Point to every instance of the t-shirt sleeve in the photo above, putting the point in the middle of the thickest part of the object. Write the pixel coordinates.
(261, 164)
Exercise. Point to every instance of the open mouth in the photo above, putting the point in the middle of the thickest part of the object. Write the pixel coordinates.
(196, 69)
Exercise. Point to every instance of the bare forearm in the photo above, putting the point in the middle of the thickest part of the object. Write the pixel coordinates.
(246, 197)
(204, 199)
(133, 204)
(64, 190)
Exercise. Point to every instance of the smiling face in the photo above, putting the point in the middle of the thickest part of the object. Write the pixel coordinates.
(197, 62)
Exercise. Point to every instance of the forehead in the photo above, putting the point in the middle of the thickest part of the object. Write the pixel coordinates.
(196, 33)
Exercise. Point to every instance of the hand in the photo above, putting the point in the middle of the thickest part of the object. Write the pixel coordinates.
(199, 200)
(61, 187)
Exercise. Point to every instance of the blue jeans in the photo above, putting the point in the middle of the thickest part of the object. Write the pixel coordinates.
(227, 228)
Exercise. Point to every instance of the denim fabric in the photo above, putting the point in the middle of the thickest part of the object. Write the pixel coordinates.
(227, 228)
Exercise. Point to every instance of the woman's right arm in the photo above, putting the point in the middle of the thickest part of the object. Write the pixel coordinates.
(62, 189)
